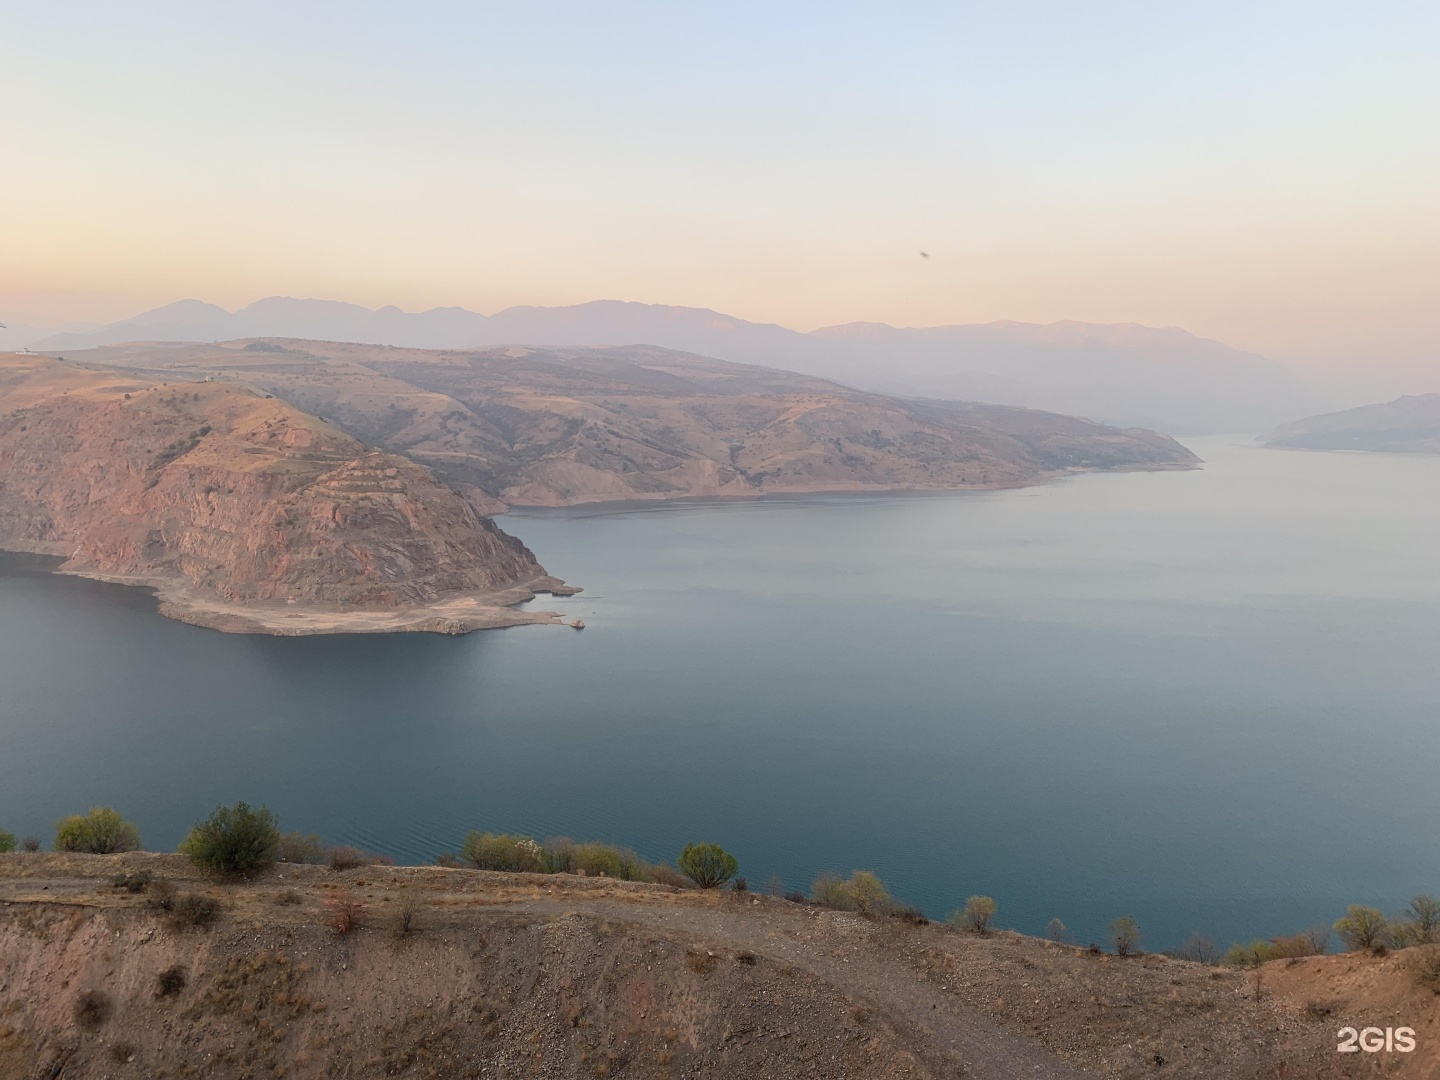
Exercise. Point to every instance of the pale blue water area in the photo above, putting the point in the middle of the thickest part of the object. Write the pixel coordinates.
(1210, 699)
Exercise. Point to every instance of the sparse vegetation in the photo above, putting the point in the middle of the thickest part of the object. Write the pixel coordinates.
(407, 913)
(7, 841)
(707, 865)
(92, 1008)
(1257, 952)
(345, 913)
(977, 915)
(1308, 943)
(30, 844)
(487, 851)
(1420, 921)
(1425, 963)
(1363, 928)
(234, 840)
(100, 832)
(301, 848)
(1198, 949)
(161, 895)
(194, 911)
(136, 882)
(170, 982)
(862, 892)
(1125, 935)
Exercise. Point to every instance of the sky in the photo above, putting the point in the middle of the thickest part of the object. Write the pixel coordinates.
(1262, 173)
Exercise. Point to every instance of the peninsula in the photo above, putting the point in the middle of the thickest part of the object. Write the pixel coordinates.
(242, 512)
(557, 426)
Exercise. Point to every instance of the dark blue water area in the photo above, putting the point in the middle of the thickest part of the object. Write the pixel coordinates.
(1209, 699)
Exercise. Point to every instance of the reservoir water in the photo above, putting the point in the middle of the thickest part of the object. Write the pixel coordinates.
(1207, 699)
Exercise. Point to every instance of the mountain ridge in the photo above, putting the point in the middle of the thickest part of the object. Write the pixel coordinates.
(1125, 374)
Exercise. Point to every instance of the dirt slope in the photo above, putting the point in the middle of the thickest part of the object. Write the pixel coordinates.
(532, 426)
(536, 976)
(242, 510)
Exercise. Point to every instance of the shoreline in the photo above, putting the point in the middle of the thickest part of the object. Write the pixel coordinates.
(642, 501)
(175, 599)
(455, 616)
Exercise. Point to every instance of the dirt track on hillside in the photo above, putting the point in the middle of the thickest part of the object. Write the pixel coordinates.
(528, 975)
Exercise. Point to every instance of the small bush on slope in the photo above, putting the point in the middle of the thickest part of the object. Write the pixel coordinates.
(707, 865)
(100, 832)
(234, 840)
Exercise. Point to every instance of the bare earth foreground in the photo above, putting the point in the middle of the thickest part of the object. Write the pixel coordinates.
(517, 975)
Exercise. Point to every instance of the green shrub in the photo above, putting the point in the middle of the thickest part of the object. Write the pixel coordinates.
(1257, 952)
(871, 896)
(301, 848)
(979, 914)
(100, 832)
(1058, 932)
(486, 851)
(1125, 934)
(830, 890)
(707, 865)
(595, 859)
(7, 841)
(862, 892)
(234, 840)
(1363, 928)
(1309, 943)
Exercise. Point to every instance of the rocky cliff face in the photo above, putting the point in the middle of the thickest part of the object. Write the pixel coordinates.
(225, 494)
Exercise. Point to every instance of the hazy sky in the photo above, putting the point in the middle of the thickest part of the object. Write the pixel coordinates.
(1264, 173)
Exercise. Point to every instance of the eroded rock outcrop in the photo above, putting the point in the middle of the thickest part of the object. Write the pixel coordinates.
(233, 503)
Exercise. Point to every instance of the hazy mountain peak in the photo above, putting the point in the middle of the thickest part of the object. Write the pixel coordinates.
(1125, 373)
(178, 311)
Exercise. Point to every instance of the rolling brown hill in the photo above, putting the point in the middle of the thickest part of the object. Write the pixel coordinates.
(527, 975)
(244, 512)
(548, 427)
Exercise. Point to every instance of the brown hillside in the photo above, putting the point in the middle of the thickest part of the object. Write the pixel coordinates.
(243, 511)
(518, 975)
(533, 426)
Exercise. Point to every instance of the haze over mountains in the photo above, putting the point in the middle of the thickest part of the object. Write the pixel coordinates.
(1125, 374)
(1407, 425)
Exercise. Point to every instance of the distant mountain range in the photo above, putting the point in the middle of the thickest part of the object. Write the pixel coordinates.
(1167, 379)
(1407, 425)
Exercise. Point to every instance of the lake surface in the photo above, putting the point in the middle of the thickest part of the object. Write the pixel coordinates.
(1208, 699)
